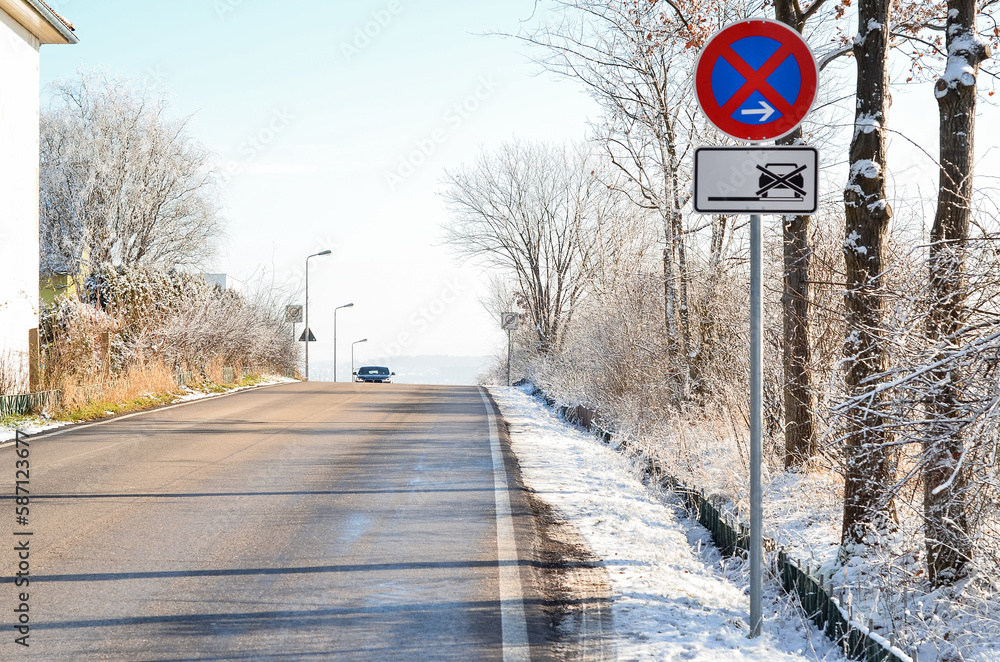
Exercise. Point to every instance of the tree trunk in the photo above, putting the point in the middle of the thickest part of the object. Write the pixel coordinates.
(799, 395)
(668, 300)
(677, 218)
(869, 459)
(670, 239)
(945, 508)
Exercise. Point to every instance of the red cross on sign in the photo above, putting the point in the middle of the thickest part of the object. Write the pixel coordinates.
(756, 80)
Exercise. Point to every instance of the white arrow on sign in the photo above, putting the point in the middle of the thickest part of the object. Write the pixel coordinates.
(765, 111)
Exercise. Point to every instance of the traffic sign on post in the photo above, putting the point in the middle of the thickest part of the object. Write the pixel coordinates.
(756, 80)
(509, 322)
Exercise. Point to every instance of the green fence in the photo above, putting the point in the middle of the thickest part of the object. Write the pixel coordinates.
(19, 405)
(857, 641)
(732, 538)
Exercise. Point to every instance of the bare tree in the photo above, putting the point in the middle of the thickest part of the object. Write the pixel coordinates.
(538, 212)
(121, 183)
(636, 59)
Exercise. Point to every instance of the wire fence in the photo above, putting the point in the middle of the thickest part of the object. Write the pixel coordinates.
(732, 538)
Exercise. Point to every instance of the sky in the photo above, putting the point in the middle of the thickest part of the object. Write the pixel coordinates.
(334, 122)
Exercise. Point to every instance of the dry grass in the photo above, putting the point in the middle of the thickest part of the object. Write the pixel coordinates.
(142, 386)
(12, 373)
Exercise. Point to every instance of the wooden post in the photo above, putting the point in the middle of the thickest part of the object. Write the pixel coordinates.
(34, 367)
(106, 353)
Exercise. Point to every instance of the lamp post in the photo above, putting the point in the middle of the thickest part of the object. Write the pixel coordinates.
(308, 330)
(346, 305)
(352, 354)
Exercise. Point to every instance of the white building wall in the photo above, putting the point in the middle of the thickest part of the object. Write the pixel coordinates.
(19, 109)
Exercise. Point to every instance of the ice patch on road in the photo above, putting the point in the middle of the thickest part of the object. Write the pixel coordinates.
(673, 597)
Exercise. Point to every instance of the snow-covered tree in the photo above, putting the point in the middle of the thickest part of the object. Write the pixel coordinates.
(945, 473)
(121, 182)
(636, 59)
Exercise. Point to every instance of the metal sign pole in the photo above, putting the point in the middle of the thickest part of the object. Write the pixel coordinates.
(510, 351)
(756, 425)
(307, 318)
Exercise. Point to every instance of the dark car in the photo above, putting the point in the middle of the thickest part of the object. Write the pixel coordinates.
(374, 373)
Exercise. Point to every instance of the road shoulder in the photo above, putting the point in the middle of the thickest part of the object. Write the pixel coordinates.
(567, 595)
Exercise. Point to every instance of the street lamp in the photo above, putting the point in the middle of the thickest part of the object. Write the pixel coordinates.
(352, 354)
(346, 305)
(308, 330)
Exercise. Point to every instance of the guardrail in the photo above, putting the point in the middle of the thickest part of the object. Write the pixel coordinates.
(731, 537)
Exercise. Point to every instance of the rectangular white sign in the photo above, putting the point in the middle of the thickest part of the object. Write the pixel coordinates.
(756, 180)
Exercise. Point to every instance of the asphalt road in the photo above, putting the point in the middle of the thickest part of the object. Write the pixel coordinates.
(304, 521)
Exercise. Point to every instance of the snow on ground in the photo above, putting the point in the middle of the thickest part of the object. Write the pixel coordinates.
(30, 426)
(265, 380)
(674, 597)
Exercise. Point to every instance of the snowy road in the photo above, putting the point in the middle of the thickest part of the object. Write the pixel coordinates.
(673, 597)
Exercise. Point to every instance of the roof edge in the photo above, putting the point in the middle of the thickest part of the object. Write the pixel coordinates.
(57, 21)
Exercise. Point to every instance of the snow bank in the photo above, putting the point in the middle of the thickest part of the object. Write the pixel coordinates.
(673, 596)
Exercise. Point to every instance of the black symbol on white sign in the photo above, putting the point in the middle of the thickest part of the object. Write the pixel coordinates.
(770, 180)
(778, 181)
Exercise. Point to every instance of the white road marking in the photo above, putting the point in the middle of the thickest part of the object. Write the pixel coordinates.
(512, 621)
